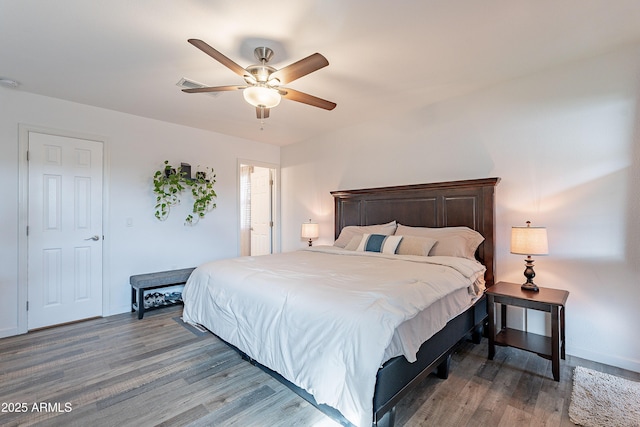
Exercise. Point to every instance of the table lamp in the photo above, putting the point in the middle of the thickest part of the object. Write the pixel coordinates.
(529, 241)
(309, 231)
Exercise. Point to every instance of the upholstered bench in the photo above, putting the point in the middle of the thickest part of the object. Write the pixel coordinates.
(163, 279)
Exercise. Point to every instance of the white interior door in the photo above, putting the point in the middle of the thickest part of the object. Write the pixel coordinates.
(261, 221)
(65, 229)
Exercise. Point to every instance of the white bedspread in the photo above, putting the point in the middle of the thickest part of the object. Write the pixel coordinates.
(322, 317)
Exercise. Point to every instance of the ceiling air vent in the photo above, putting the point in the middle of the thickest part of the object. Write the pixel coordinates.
(190, 84)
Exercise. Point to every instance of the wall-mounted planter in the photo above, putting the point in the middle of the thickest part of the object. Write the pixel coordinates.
(170, 182)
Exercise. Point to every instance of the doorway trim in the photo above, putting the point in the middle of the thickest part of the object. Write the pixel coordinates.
(23, 215)
(276, 201)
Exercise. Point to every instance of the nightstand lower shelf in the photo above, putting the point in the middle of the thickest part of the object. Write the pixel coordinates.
(535, 343)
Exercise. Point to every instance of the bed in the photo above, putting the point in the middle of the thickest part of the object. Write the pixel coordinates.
(319, 338)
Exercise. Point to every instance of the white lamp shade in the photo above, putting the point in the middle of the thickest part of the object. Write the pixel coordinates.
(309, 230)
(260, 96)
(529, 241)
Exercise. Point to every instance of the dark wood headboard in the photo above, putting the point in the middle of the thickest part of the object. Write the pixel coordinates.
(443, 204)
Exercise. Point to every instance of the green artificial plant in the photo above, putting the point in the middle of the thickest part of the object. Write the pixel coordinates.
(170, 182)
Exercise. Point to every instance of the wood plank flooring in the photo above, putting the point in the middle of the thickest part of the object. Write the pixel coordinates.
(121, 371)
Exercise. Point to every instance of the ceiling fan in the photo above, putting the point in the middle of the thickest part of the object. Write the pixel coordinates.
(263, 87)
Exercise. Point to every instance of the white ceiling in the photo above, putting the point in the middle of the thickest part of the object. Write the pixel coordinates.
(385, 57)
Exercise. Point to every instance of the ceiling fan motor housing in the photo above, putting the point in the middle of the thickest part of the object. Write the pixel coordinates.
(260, 73)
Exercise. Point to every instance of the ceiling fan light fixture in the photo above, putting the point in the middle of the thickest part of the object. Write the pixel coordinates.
(273, 82)
(250, 79)
(260, 96)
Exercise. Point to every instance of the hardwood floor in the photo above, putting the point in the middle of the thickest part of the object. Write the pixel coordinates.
(121, 371)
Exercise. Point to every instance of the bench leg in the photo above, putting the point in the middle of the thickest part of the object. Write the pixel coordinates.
(140, 303)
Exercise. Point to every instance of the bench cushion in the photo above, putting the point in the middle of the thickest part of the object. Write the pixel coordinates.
(160, 278)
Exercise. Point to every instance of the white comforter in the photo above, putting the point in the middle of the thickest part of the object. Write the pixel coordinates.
(322, 317)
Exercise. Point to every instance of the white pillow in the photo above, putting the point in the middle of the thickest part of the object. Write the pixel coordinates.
(452, 241)
(350, 231)
(379, 243)
(354, 243)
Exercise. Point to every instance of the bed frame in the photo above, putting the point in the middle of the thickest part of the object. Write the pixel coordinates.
(445, 204)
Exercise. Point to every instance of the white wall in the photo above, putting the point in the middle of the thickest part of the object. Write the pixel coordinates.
(565, 143)
(135, 148)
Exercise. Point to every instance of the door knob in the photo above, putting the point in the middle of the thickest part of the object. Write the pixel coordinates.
(94, 238)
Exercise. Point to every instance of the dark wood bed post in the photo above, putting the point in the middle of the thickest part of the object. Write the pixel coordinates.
(489, 227)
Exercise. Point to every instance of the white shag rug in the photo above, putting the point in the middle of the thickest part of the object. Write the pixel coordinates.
(602, 400)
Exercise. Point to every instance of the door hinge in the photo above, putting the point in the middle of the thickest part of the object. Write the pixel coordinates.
(27, 305)
(270, 223)
(27, 230)
(27, 155)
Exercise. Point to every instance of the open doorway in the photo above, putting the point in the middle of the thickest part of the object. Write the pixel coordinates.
(257, 208)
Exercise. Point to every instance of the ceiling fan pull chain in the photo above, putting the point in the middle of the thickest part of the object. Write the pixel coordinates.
(261, 117)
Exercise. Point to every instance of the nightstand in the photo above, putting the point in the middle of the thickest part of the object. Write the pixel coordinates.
(550, 300)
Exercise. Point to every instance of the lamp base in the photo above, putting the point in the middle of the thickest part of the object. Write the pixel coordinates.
(529, 274)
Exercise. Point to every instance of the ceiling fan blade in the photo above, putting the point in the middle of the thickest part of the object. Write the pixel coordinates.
(299, 69)
(262, 113)
(305, 98)
(212, 89)
(218, 56)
